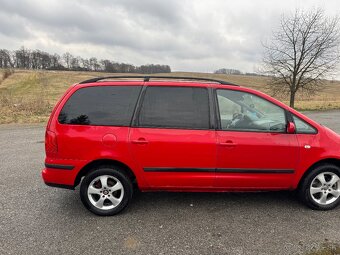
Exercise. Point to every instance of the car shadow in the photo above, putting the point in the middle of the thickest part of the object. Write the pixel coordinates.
(226, 200)
(186, 202)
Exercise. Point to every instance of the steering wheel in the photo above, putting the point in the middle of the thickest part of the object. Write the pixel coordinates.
(237, 116)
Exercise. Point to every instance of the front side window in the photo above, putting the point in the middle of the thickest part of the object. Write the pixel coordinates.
(302, 127)
(175, 107)
(100, 105)
(247, 112)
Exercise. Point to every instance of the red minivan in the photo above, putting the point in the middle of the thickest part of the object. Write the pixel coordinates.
(114, 134)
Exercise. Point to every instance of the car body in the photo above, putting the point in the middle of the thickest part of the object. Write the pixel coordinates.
(177, 135)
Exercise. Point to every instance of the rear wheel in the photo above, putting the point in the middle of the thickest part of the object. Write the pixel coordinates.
(320, 189)
(106, 191)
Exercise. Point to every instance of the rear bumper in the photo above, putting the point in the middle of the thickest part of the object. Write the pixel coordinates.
(62, 186)
(58, 178)
(61, 173)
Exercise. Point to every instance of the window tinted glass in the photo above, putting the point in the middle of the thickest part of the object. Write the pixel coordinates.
(244, 111)
(105, 105)
(302, 127)
(175, 107)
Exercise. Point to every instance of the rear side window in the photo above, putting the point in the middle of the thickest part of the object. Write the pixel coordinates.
(175, 107)
(101, 105)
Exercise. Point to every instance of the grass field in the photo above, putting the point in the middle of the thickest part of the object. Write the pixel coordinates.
(28, 96)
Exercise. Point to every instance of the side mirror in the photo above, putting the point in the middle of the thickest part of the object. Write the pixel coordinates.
(291, 128)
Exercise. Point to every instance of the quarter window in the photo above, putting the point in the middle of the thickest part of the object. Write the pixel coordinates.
(175, 107)
(100, 105)
(246, 112)
(302, 127)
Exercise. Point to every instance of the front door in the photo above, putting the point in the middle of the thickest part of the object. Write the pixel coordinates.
(253, 149)
(172, 140)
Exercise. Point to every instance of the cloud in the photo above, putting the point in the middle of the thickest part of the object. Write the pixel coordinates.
(190, 35)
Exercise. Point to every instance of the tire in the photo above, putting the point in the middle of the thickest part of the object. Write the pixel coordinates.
(320, 188)
(106, 191)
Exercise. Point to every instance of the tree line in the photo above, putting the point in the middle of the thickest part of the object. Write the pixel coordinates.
(229, 71)
(25, 58)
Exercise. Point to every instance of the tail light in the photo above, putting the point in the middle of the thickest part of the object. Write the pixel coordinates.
(51, 146)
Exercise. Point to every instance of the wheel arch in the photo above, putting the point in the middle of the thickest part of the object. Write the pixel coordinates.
(104, 162)
(334, 161)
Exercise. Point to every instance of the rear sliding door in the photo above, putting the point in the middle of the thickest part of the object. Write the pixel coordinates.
(172, 141)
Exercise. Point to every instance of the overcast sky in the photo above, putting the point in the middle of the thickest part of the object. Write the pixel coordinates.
(189, 35)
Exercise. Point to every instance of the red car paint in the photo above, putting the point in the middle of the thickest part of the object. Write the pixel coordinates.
(248, 154)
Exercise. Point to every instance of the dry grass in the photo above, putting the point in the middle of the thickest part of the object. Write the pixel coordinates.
(326, 249)
(28, 96)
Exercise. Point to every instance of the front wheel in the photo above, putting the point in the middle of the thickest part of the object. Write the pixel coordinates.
(106, 191)
(320, 189)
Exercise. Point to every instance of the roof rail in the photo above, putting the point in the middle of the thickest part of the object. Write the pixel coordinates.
(147, 78)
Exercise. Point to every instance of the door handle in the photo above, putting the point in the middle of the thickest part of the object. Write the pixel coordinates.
(140, 141)
(228, 143)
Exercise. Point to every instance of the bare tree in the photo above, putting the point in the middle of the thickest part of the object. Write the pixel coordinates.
(5, 59)
(302, 52)
(85, 64)
(67, 58)
(94, 65)
(55, 61)
(22, 58)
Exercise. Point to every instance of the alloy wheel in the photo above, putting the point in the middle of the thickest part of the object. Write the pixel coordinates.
(105, 192)
(325, 188)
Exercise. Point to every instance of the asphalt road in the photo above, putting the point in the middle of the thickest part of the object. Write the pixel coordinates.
(36, 219)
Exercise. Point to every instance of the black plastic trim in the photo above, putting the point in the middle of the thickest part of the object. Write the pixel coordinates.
(57, 166)
(217, 111)
(174, 169)
(138, 106)
(289, 116)
(255, 171)
(147, 78)
(220, 170)
(212, 117)
(62, 186)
